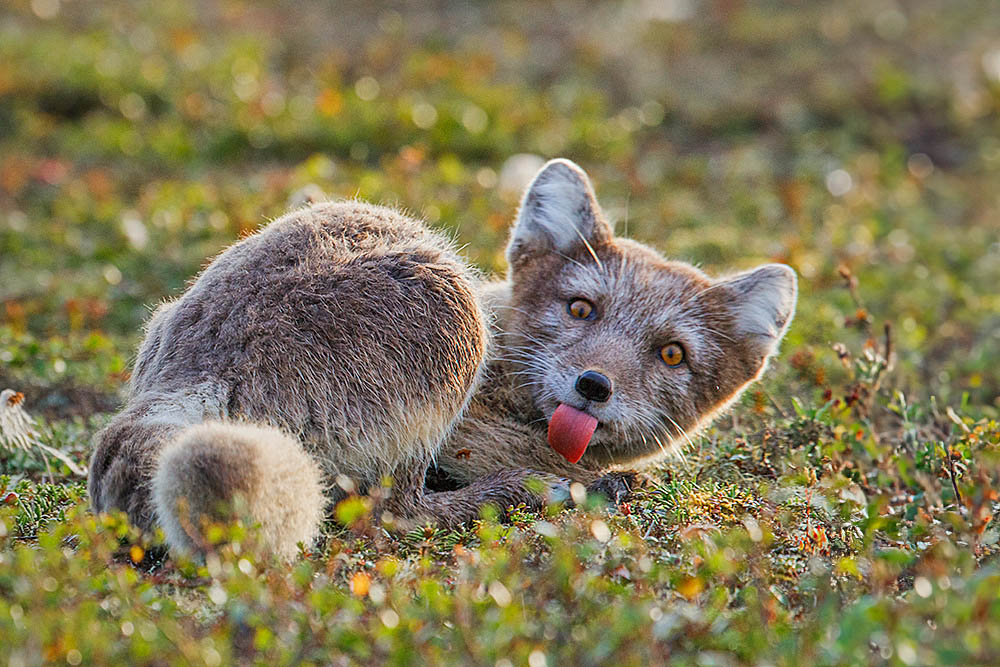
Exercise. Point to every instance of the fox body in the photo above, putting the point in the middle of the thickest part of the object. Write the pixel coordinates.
(349, 340)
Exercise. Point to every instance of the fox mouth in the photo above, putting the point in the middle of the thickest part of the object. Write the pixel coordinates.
(570, 431)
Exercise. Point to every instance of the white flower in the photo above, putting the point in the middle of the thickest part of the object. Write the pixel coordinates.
(19, 431)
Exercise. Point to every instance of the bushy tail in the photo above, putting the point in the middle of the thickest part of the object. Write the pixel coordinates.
(216, 471)
(177, 477)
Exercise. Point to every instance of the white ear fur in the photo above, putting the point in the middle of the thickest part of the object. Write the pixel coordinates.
(764, 303)
(558, 212)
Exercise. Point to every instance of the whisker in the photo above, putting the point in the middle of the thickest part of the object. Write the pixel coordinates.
(530, 384)
(718, 333)
(522, 354)
(520, 310)
(590, 248)
(678, 453)
(663, 448)
(527, 336)
(570, 259)
(680, 430)
(524, 361)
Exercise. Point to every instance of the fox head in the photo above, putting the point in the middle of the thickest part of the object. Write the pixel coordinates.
(626, 353)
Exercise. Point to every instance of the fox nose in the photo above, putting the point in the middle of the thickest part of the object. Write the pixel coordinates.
(594, 386)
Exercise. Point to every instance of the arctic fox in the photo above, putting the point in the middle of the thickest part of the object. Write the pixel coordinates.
(348, 340)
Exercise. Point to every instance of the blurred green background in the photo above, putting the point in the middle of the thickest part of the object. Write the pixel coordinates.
(137, 139)
(839, 515)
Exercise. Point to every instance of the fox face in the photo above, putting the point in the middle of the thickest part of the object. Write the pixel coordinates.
(625, 353)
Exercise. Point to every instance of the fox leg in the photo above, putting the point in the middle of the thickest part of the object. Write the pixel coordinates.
(122, 466)
(410, 499)
(477, 449)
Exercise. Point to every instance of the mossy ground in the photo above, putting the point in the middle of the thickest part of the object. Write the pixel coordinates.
(843, 513)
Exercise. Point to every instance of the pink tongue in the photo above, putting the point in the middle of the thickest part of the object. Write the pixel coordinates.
(570, 431)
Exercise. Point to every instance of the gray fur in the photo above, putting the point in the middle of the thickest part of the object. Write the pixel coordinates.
(349, 327)
(348, 339)
(728, 327)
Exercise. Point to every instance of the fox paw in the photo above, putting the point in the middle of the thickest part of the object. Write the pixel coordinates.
(616, 487)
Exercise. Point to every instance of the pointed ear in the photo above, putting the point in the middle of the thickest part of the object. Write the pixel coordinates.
(559, 213)
(763, 303)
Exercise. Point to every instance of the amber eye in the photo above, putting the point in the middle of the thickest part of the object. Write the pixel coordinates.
(672, 354)
(581, 309)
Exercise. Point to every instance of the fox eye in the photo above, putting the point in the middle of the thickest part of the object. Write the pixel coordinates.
(672, 354)
(581, 309)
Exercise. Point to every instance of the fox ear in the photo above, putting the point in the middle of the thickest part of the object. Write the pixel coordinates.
(559, 213)
(763, 303)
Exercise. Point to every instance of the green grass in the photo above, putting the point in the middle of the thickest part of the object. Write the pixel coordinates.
(842, 514)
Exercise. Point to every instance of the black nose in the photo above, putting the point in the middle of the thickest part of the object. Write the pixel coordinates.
(594, 386)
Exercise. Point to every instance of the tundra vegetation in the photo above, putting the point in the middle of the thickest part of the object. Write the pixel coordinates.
(842, 513)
